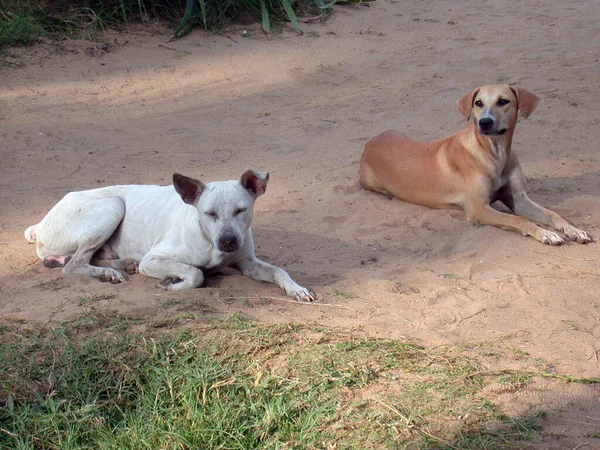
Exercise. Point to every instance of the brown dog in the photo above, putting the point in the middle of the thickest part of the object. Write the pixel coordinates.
(470, 170)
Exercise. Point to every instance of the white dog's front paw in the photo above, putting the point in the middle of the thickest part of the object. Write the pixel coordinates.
(301, 294)
(549, 237)
(577, 235)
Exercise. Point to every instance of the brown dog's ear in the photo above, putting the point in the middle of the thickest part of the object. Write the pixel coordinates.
(527, 101)
(188, 188)
(255, 182)
(465, 104)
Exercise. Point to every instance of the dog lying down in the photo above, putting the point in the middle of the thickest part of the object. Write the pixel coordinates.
(470, 169)
(173, 233)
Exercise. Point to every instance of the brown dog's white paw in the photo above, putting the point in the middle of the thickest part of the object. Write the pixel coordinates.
(549, 237)
(577, 235)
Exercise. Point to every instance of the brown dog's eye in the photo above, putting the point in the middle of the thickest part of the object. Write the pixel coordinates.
(503, 102)
(479, 103)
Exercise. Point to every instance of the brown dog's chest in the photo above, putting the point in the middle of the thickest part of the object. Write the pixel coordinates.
(504, 194)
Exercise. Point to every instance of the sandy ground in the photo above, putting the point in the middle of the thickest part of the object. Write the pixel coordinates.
(80, 114)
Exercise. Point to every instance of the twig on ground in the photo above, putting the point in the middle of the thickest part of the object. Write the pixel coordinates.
(167, 47)
(565, 257)
(33, 261)
(311, 19)
(394, 410)
(533, 373)
(586, 444)
(289, 300)
(411, 423)
(224, 35)
(72, 173)
(472, 315)
(9, 433)
(39, 284)
(595, 354)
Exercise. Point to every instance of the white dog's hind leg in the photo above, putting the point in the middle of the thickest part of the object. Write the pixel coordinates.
(106, 252)
(77, 227)
(173, 275)
(80, 263)
(256, 269)
(106, 257)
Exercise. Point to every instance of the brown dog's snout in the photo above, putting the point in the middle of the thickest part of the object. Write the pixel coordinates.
(485, 123)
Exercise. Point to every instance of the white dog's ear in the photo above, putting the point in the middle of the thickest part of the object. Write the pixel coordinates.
(188, 188)
(465, 104)
(526, 100)
(255, 182)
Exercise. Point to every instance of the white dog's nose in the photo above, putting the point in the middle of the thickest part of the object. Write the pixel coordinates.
(228, 243)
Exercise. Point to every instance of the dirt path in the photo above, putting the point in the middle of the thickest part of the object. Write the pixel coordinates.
(80, 115)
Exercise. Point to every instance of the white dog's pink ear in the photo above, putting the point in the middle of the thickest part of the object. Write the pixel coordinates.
(255, 182)
(465, 104)
(188, 188)
(526, 100)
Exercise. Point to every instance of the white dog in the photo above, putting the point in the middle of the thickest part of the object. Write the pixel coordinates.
(105, 232)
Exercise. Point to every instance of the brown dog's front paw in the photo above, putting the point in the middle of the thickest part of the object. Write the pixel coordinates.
(549, 238)
(577, 235)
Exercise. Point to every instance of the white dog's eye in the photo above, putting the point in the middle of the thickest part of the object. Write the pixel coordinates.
(211, 214)
(239, 211)
(479, 103)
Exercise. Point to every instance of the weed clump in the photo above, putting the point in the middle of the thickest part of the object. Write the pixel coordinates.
(25, 21)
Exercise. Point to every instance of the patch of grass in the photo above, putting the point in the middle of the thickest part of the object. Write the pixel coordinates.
(569, 325)
(89, 299)
(24, 21)
(171, 321)
(8, 59)
(239, 385)
(21, 22)
(211, 13)
(169, 303)
(450, 276)
(339, 294)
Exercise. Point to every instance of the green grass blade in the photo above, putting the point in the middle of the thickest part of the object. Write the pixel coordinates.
(266, 21)
(203, 12)
(322, 5)
(291, 14)
(189, 7)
